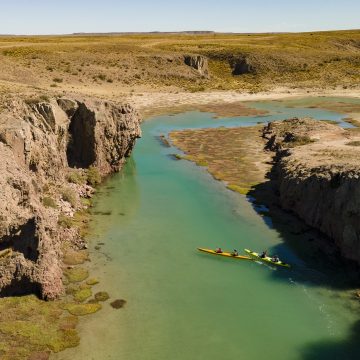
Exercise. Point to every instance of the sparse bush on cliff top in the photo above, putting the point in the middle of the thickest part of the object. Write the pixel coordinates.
(36, 100)
(353, 143)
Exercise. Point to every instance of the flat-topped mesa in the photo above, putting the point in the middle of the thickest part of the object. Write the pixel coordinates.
(317, 176)
(40, 141)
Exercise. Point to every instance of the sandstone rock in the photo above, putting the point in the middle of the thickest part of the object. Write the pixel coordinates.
(318, 178)
(38, 143)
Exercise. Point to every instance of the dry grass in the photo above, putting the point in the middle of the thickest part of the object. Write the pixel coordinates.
(233, 155)
(129, 63)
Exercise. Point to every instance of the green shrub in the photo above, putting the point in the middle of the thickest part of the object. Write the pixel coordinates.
(69, 195)
(76, 177)
(49, 202)
(93, 176)
(65, 221)
(101, 77)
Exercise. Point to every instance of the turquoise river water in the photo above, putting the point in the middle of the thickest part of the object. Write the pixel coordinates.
(185, 305)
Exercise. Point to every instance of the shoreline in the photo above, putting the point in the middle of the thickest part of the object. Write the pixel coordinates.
(162, 103)
(349, 293)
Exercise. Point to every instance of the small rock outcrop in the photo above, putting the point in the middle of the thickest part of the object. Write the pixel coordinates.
(199, 63)
(39, 143)
(317, 177)
(241, 66)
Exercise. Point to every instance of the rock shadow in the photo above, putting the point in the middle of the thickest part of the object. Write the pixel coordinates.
(335, 350)
(318, 260)
(23, 239)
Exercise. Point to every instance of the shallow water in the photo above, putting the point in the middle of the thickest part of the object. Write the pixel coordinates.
(182, 304)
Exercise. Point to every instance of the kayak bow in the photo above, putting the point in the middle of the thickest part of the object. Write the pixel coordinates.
(266, 259)
(226, 254)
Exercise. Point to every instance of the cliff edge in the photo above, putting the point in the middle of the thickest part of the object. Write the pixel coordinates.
(45, 146)
(317, 177)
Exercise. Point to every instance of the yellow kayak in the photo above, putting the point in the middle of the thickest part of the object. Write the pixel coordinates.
(266, 259)
(226, 254)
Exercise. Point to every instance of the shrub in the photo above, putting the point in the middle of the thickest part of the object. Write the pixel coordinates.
(65, 221)
(101, 77)
(76, 177)
(49, 202)
(35, 100)
(69, 195)
(353, 143)
(93, 176)
(57, 80)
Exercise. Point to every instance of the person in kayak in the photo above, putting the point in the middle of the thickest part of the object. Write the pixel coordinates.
(275, 258)
(218, 251)
(235, 253)
(263, 254)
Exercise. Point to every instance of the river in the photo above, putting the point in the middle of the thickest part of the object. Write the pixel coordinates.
(184, 305)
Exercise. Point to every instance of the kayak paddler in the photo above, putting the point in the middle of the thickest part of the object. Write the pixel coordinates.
(218, 251)
(263, 254)
(235, 253)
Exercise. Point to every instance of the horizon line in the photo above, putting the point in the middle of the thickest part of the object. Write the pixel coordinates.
(194, 32)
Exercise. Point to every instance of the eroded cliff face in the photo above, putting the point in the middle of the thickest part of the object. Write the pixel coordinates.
(317, 177)
(39, 144)
(199, 63)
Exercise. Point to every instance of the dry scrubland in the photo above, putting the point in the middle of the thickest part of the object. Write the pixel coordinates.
(42, 69)
(119, 65)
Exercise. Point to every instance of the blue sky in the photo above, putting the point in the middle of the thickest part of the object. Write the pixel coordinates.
(68, 16)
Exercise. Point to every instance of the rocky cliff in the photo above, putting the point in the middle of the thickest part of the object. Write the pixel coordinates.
(317, 177)
(199, 63)
(41, 144)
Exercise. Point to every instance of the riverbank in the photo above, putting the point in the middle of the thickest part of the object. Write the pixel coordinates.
(54, 152)
(79, 292)
(225, 103)
(306, 167)
(148, 256)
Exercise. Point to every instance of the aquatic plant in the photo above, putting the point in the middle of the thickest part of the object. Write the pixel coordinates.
(82, 309)
(29, 325)
(118, 303)
(92, 281)
(102, 296)
(76, 274)
(82, 294)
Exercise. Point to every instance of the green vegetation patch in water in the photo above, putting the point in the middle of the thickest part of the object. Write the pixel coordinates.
(77, 274)
(82, 309)
(29, 325)
(102, 296)
(82, 294)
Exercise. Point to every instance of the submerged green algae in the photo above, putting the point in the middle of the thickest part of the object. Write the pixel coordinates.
(76, 274)
(29, 325)
(102, 296)
(81, 309)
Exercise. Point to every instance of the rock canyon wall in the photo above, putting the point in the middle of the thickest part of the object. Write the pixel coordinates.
(42, 144)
